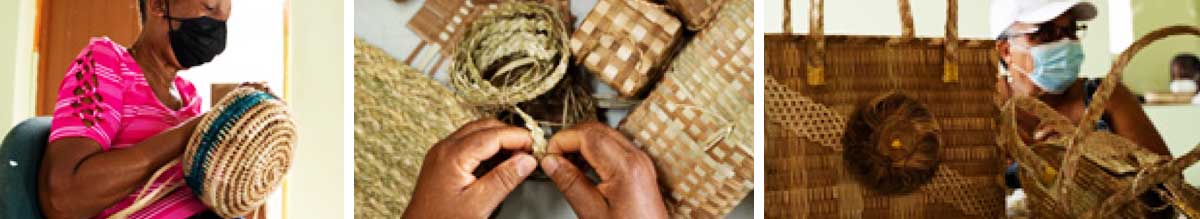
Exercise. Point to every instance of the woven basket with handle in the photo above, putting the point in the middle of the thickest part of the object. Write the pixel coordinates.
(1103, 175)
(624, 42)
(697, 124)
(881, 126)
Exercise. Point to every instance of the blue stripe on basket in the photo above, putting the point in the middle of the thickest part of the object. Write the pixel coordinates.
(213, 135)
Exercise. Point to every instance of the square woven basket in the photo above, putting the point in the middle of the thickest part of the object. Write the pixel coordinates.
(697, 124)
(624, 42)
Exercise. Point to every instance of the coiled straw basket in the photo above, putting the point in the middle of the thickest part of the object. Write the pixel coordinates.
(239, 153)
(1106, 179)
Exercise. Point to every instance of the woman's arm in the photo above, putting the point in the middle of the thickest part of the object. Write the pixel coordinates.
(78, 179)
(1129, 121)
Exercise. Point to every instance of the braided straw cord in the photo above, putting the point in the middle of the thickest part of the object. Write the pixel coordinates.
(239, 153)
(625, 42)
(697, 123)
(399, 113)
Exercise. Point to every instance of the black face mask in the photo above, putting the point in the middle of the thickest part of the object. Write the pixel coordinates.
(197, 40)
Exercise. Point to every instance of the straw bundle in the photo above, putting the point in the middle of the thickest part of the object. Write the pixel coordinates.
(697, 124)
(931, 98)
(696, 13)
(1107, 179)
(510, 55)
(624, 42)
(239, 153)
(398, 115)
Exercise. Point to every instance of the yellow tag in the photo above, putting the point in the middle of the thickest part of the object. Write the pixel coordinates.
(816, 75)
(1049, 174)
(950, 74)
(896, 144)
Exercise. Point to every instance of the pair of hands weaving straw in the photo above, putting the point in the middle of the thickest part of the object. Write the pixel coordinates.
(446, 187)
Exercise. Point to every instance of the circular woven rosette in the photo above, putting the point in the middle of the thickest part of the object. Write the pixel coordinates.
(892, 144)
(240, 152)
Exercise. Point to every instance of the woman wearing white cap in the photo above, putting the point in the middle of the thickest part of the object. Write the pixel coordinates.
(1039, 49)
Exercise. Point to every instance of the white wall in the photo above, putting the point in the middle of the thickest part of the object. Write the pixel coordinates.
(17, 62)
(315, 185)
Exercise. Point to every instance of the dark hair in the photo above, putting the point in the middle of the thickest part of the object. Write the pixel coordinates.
(1189, 64)
(1002, 38)
(142, 10)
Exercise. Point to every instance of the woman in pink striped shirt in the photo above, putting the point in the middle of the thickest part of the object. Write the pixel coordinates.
(122, 113)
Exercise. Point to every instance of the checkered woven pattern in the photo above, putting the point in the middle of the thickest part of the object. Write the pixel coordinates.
(697, 124)
(442, 22)
(696, 13)
(623, 41)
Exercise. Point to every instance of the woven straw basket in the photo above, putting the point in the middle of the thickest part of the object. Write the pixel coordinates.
(881, 127)
(696, 13)
(1105, 179)
(441, 23)
(624, 42)
(697, 124)
(238, 154)
(398, 115)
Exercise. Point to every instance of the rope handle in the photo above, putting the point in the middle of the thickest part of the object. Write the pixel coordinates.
(146, 195)
(816, 30)
(1096, 108)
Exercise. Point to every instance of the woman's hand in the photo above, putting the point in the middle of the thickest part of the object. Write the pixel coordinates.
(628, 185)
(446, 187)
(78, 179)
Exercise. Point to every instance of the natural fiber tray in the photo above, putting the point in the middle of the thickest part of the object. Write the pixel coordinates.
(398, 114)
(697, 124)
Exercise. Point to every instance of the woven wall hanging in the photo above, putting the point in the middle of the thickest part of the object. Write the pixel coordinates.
(937, 159)
(697, 125)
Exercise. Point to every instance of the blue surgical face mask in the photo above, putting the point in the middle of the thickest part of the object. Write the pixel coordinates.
(1055, 65)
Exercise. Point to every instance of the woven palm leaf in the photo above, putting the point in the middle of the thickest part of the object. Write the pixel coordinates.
(881, 126)
(697, 125)
(625, 42)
